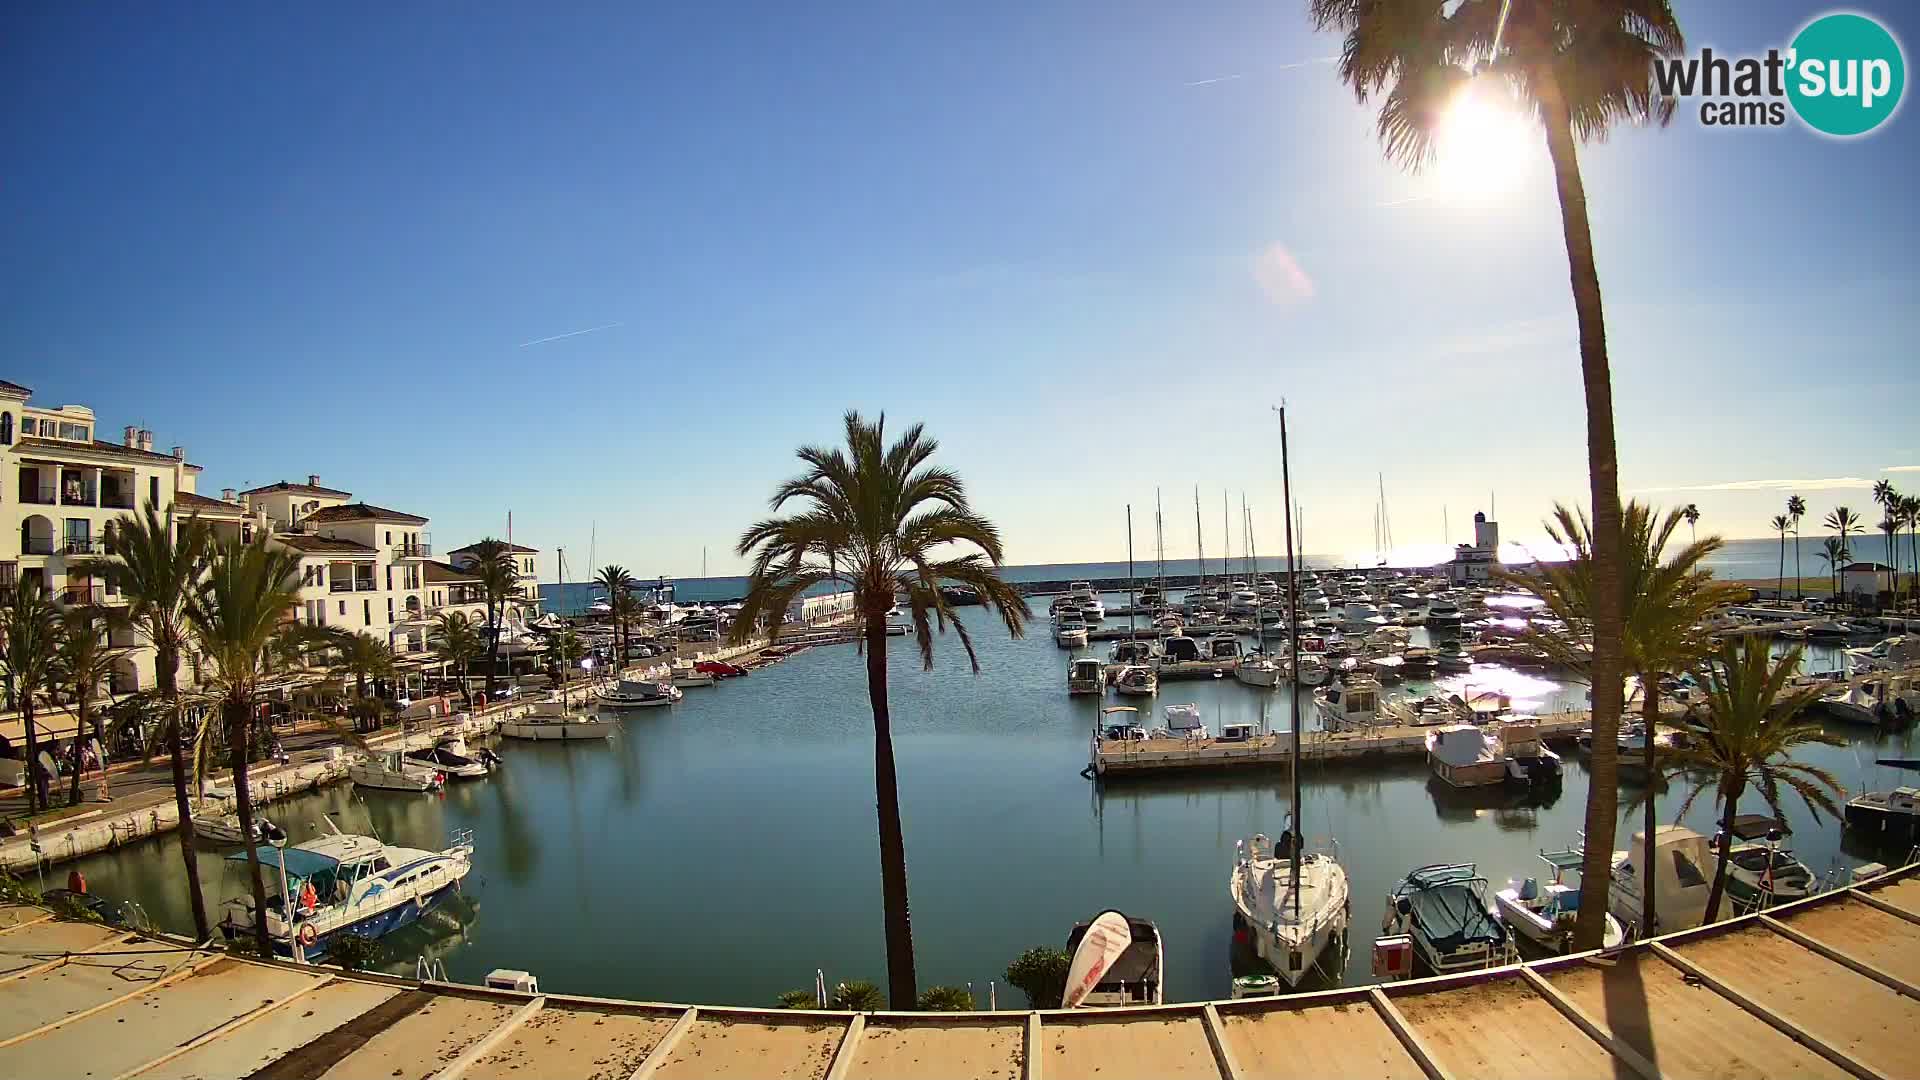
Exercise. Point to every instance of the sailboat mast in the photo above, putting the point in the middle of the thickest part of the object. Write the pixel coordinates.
(1132, 602)
(1160, 543)
(1199, 537)
(1293, 649)
(1226, 539)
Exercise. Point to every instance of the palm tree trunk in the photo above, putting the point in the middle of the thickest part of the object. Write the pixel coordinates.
(238, 734)
(33, 754)
(1780, 583)
(493, 651)
(1799, 591)
(1603, 796)
(901, 990)
(1732, 787)
(166, 667)
(1650, 712)
(80, 724)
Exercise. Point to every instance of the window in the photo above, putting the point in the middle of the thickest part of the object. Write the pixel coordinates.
(366, 612)
(389, 535)
(76, 432)
(389, 609)
(343, 609)
(246, 532)
(26, 425)
(153, 492)
(389, 578)
(6, 428)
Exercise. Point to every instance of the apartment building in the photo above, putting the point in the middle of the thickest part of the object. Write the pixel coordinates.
(526, 579)
(60, 490)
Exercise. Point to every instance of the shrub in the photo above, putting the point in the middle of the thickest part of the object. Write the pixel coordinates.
(858, 996)
(946, 999)
(1041, 974)
(798, 999)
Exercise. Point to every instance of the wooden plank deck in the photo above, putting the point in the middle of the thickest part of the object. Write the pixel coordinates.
(934, 1050)
(574, 1044)
(1307, 1044)
(1864, 933)
(1501, 1028)
(721, 1046)
(1170, 1046)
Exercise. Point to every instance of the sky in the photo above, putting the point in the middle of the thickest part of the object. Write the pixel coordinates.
(604, 266)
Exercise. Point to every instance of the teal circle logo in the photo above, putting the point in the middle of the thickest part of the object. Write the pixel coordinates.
(1846, 74)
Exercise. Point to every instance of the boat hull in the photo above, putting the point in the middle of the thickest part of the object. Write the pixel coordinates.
(555, 732)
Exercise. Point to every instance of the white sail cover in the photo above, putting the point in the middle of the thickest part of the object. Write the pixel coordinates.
(1460, 745)
(1107, 937)
(1183, 717)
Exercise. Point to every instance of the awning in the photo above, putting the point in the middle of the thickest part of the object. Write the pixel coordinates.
(298, 862)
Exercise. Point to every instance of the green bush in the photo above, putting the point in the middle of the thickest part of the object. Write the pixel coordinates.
(858, 996)
(946, 999)
(1041, 974)
(798, 999)
(353, 952)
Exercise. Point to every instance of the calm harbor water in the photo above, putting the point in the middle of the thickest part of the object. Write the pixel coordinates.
(721, 850)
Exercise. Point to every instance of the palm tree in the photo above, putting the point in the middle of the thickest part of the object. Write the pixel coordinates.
(30, 625)
(882, 520)
(1890, 524)
(1835, 555)
(361, 657)
(156, 565)
(1910, 516)
(616, 581)
(1781, 523)
(499, 575)
(1889, 500)
(1692, 513)
(82, 668)
(1581, 69)
(1665, 601)
(566, 650)
(240, 615)
(626, 611)
(1843, 522)
(456, 642)
(1753, 726)
(1796, 509)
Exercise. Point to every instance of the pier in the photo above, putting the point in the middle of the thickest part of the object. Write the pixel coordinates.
(1828, 986)
(1113, 759)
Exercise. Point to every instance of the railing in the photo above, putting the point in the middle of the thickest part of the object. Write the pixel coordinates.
(117, 500)
(340, 586)
(38, 495)
(74, 496)
(78, 595)
(364, 585)
(77, 545)
(36, 545)
(420, 550)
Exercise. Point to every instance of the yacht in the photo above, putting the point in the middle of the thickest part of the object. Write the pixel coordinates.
(1183, 721)
(452, 757)
(1543, 914)
(1892, 816)
(1890, 654)
(551, 720)
(1151, 596)
(224, 828)
(1116, 960)
(1352, 704)
(1310, 664)
(1080, 591)
(1086, 675)
(392, 771)
(346, 883)
(1242, 600)
(1451, 656)
(1179, 649)
(1092, 610)
(1136, 679)
(1130, 652)
(1469, 755)
(1269, 624)
(1259, 669)
(1071, 633)
(1223, 647)
(684, 675)
(1683, 876)
(1443, 614)
(1360, 615)
(1761, 869)
(639, 694)
(1292, 911)
(1444, 909)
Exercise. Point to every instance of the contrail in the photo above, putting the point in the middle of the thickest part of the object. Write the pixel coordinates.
(1307, 63)
(1276, 67)
(1408, 201)
(570, 333)
(1220, 79)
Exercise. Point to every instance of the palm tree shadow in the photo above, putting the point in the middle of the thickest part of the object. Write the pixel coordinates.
(1624, 995)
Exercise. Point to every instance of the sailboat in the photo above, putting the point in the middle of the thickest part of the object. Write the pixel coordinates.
(1292, 903)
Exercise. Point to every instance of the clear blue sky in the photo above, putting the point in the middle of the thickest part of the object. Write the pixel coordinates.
(1089, 244)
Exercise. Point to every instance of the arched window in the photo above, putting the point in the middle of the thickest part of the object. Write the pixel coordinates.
(6, 429)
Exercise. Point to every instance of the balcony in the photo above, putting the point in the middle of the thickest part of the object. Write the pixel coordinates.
(364, 585)
(37, 494)
(77, 495)
(9, 575)
(36, 545)
(83, 545)
(118, 500)
(338, 585)
(418, 550)
(82, 595)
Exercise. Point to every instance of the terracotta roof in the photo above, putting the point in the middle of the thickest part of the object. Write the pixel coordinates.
(193, 502)
(14, 387)
(516, 548)
(98, 446)
(322, 545)
(299, 489)
(442, 573)
(363, 512)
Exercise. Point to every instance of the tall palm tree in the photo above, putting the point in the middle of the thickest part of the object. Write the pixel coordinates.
(156, 564)
(1796, 509)
(1888, 498)
(456, 642)
(241, 619)
(1835, 555)
(626, 611)
(1691, 512)
(1844, 523)
(1665, 600)
(566, 650)
(882, 520)
(360, 657)
(499, 576)
(1910, 516)
(30, 626)
(617, 582)
(1580, 69)
(1890, 525)
(1781, 523)
(82, 669)
(1754, 724)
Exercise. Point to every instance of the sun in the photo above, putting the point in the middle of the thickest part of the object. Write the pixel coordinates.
(1483, 144)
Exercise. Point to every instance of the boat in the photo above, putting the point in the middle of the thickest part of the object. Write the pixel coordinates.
(1223, 646)
(1444, 909)
(1683, 876)
(1527, 757)
(1896, 653)
(639, 694)
(1466, 756)
(1310, 660)
(1892, 816)
(1268, 624)
(1183, 721)
(1444, 614)
(1116, 960)
(1417, 662)
(1130, 652)
(1388, 668)
(1259, 669)
(1351, 704)
(1544, 914)
(551, 720)
(1451, 656)
(1179, 649)
(684, 674)
(1086, 675)
(1136, 679)
(343, 883)
(452, 757)
(1761, 870)
(392, 771)
(1092, 610)
(1080, 591)
(224, 828)
(1071, 633)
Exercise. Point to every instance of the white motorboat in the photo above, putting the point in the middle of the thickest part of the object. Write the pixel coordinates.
(1761, 869)
(1130, 652)
(1444, 909)
(1184, 721)
(1092, 610)
(1138, 680)
(453, 759)
(1352, 704)
(1086, 675)
(209, 823)
(683, 674)
(1683, 876)
(552, 721)
(1268, 623)
(1242, 600)
(639, 694)
(1071, 633)
(1890, 816)
(1451, 656)
(1310, 664)
(1890, 654)
(1259, 669)
(1224, 646)
(1510, 752)
(1115, 960)
(1081, 591)
(392, 771)
(1294, 910)
(1178, 649)
(346, 883)
(1543, 914)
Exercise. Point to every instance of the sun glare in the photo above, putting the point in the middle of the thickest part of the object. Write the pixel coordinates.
(1483, 145)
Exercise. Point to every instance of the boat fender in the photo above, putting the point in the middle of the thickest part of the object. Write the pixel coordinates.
(308, 935)
(420, 901)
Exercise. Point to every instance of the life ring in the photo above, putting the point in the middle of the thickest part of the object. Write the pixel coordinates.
(308, 935)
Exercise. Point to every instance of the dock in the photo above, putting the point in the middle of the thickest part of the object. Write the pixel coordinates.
(1119, 759)
(1828, 986)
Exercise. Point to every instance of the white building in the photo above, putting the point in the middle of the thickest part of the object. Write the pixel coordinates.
(1866, 580)
(812, 609)
(61, 489)
(1476, 562)
(524, 560)
(454, 590)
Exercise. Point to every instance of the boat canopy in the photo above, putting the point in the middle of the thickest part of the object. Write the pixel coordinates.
(298, 862)
(1183, 717)
(1562, 861)
(1756, 826)
(1459, 745)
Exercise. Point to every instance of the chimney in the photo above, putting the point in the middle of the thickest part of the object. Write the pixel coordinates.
(132, 436)
(146, 440)
(179, 453)
(228, 495)
(313, 479)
